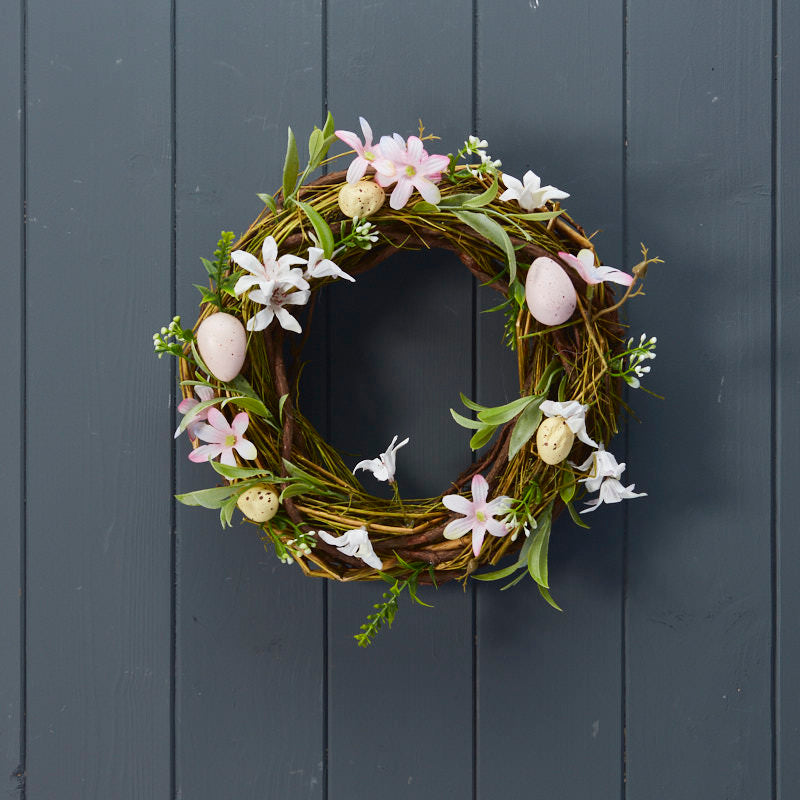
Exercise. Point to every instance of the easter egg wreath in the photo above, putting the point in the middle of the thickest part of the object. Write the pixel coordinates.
(240, 366)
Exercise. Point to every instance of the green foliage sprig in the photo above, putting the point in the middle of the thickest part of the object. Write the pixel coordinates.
(386, 610)
(221, 283)
(172, 339)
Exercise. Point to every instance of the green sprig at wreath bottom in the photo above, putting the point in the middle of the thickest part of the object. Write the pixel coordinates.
(313, 510)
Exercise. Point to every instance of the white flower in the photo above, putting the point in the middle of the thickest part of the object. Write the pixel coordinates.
(274, 296)
(530, 194)
(323, 269)
(273, 269)
(604, 475)
(383, 466)
(354, 543)
(573, 413)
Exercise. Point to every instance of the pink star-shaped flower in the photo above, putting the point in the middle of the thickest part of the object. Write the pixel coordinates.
(408, 164)
(223, 439)
(366, 154)
(478, 514)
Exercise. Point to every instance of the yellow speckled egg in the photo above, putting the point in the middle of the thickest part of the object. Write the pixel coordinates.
(259, 503)
(554, 440)
(361, 199)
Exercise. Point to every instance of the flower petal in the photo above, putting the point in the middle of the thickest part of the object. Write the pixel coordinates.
(477, 539)
(356, 170)
(414, 148)
(247, 261)
(457, 503)
(240, 423)
(245, 282)
(366, 130)
(495, 527)
(457, 528)
(350, 139)
(480, 488)
(246, 449)
(428, 190)
(205, 453)
(260, 320)
(401, 193)
(287, 321)
(217, 420)
(187, 403)
(269, 250)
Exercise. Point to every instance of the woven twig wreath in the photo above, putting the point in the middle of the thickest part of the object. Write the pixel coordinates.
(572, 359)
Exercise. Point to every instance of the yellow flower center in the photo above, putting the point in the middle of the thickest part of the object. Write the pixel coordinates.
(230, 441)
(481, 516)
(369, 155)
(411, 171)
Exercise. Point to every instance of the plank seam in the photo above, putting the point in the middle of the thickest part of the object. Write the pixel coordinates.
(625, 514)
(173, 567)
(21, 771)
(775, 325)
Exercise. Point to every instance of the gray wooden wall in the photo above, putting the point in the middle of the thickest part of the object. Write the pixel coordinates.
(146, 654)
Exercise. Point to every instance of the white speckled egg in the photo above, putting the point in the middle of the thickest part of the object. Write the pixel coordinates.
(554, 440)
(549, 292)
(361, 199)
(222, 341)
(259, 503)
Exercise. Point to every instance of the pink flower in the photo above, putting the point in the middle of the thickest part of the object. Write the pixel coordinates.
(478, 514)
(188, 403)
(223, 439)
(366, 154)
(409, 165)
(583, 263)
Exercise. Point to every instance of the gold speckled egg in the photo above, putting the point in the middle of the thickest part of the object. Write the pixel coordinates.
(259, 503)
(361, 199)
(554, 440)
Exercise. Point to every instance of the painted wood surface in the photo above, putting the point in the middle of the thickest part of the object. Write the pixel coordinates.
(147, 654)
(12, 484)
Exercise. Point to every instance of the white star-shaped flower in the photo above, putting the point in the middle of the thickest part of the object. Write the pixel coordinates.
(354, 543)
(574, 413)
(530, 193)
(383, 466)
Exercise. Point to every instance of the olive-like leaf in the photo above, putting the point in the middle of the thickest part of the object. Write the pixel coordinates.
(466, 422)
(291, 166)
(482, 436)
(484, 198)
(525, 427)
(210, 498)
(492, 231)
(502, 414)
(547, 596)
(322, 229)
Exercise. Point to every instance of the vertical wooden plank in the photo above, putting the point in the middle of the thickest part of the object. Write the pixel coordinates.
(250, 630)
(557, 677)
(699, 593)
(11, 333)
(98, 505)
(400, 352)
(787, 362)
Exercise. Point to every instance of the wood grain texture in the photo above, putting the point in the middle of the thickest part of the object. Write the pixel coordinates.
(250, 630)
(787, 362)
(11, 327)
(98, 485)
(699, 593)
(550, 684)
(400, 352)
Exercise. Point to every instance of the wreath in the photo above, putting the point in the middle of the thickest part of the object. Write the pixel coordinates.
(537, 455)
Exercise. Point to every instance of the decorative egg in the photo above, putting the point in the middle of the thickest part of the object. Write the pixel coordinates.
(222, 341)
(549, 292)
(361, 199)
(554, 440)
(259, 503)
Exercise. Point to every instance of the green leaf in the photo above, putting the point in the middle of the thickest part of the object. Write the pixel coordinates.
(210, 268)
(250, 404)
(243, 387)
(576, 518)
(471, 404)
(482, 436)
(240, 472)
(226, 512)
(291, 167)
(327, 128)
(281, 403)
(553, 368)
(538, 216)
(519, 292)
(295, 489)
(322, 229)
(207, 294)
(544, 593)
(567, 488)
(484, 198)
(199, 361)
(514, 582)
(497, 574)
(562, 390)
(502, 414)
(456, 200)
(423, 207)
(489, 229)
(525, 427)
(537, 557)
(314, 144)
(269, 200)
(466, 422)
(210, 498)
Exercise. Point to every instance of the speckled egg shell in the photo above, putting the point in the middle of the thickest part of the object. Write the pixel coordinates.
(361, 199)
(259, 503)
(549, 292)
(222, 341)
(554, 440)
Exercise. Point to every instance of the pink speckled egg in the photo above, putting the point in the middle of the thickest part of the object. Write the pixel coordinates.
(222, 341)
(549, 292)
